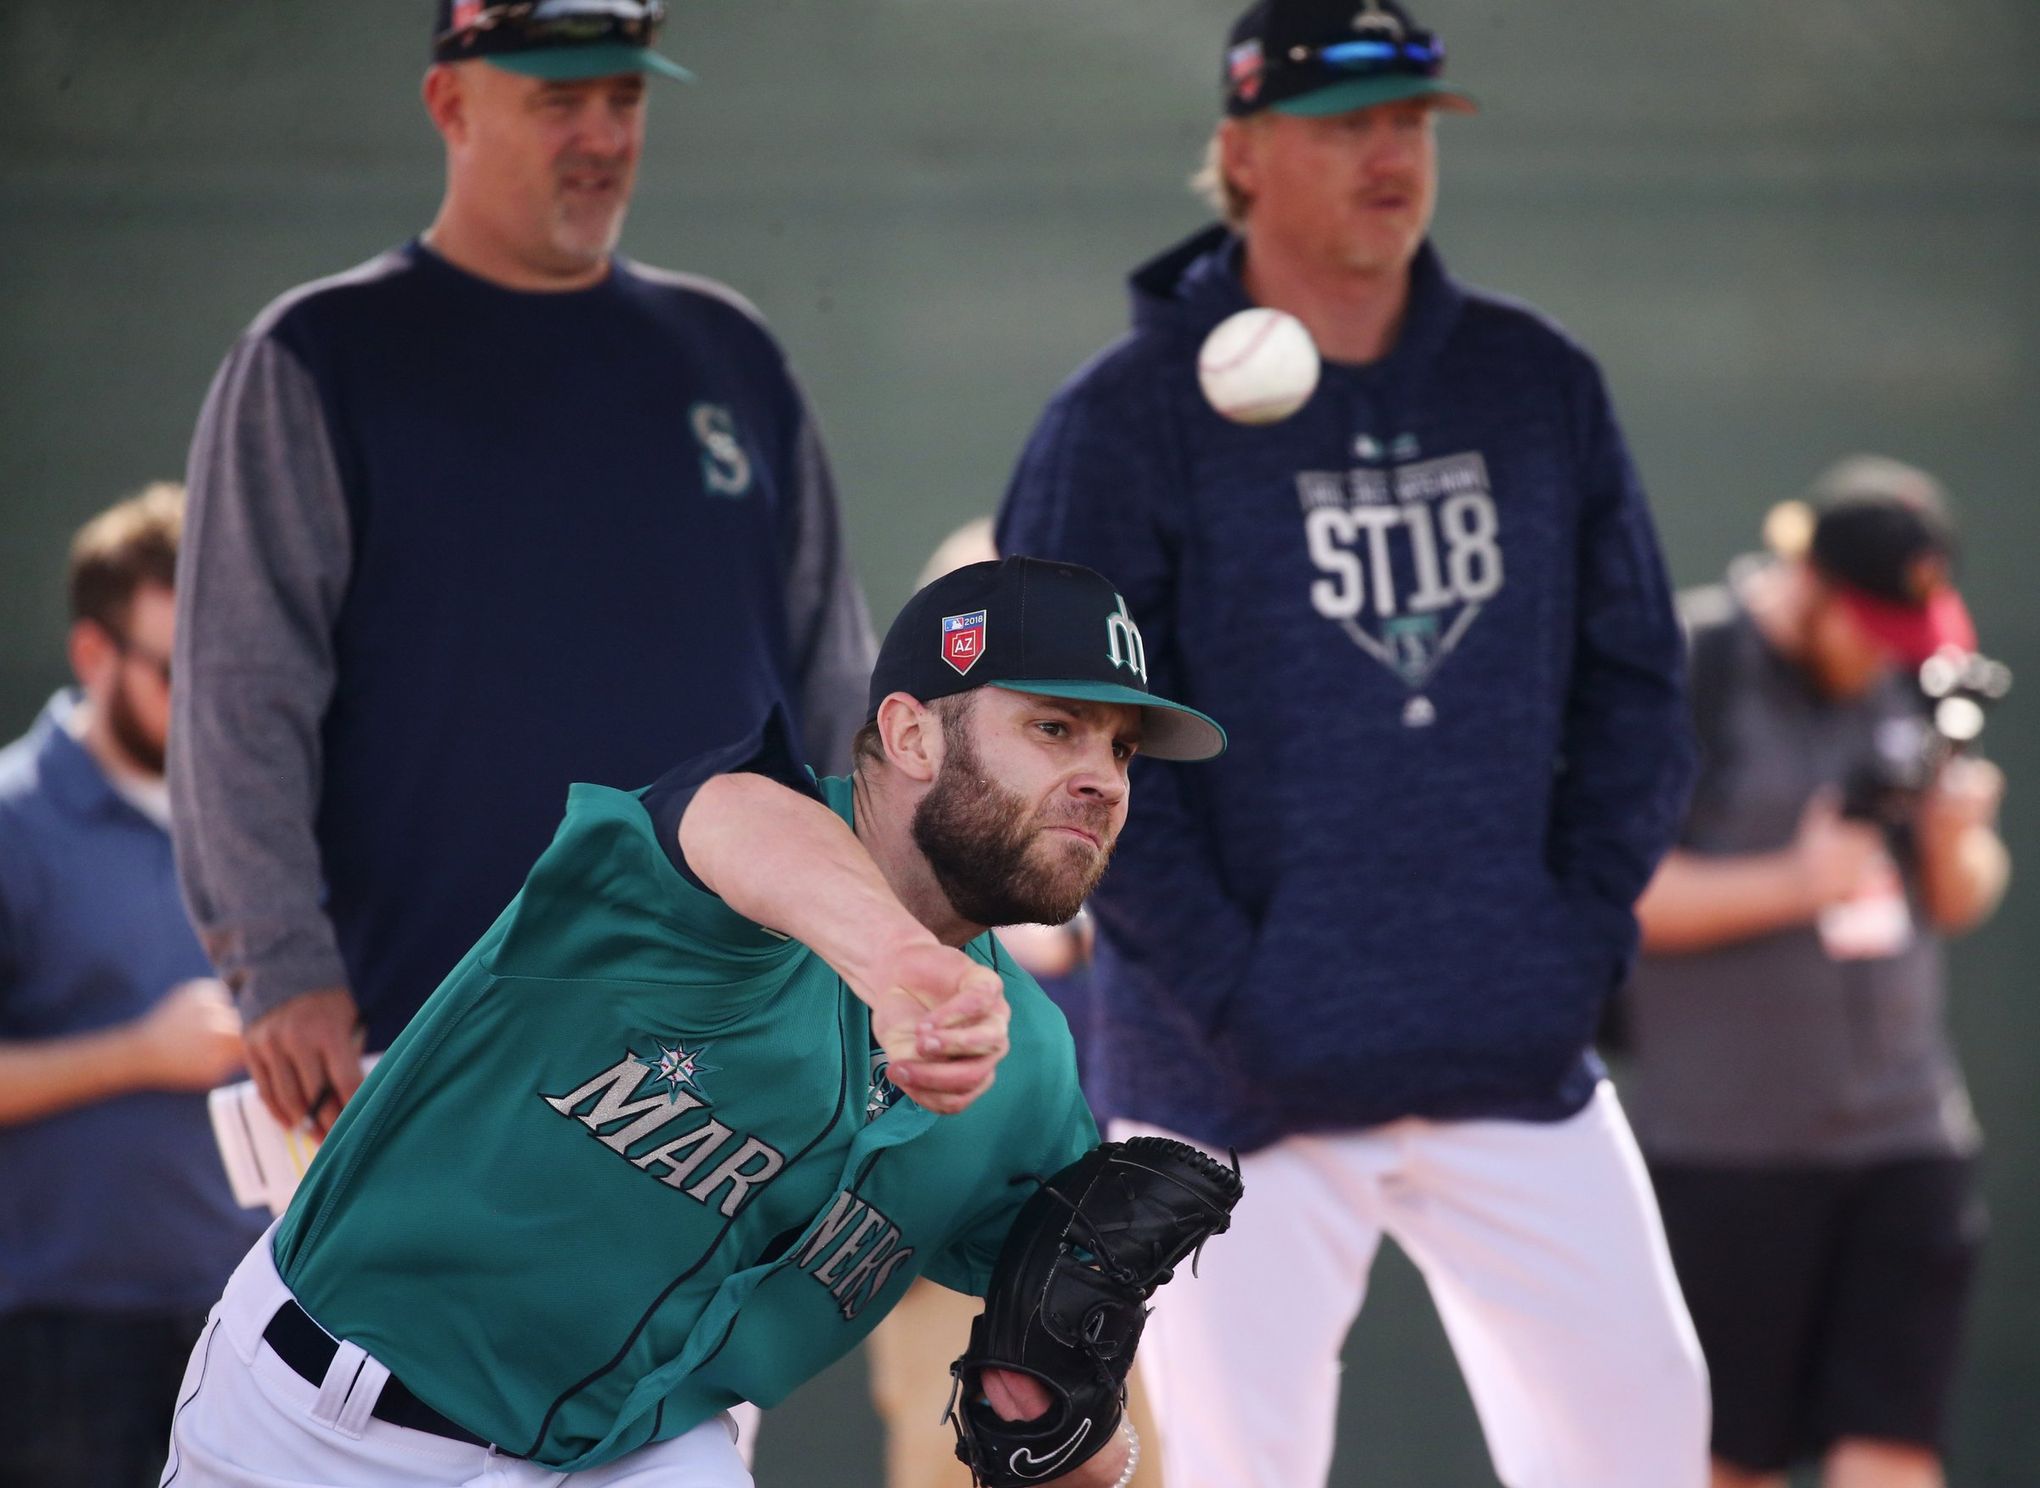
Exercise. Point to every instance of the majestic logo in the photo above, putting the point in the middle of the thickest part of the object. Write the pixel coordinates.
(725, 468)
(669, 1134)
(963, 640)
(1123, 644)
(1367, 447)
(1407, 557)
(1026, 1465)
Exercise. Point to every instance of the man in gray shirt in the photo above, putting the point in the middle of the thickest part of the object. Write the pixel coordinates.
(1792, 1082)
(497, 511)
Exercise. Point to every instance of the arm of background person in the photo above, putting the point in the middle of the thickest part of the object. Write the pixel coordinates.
(786, 861)
(1629, 755)
(190, 1040)
(828, 627)
(261, 573)
(1698, 901)
(1090, 489)
(1964, 865)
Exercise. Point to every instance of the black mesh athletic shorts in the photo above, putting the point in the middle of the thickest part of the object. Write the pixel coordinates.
(1829, 1301)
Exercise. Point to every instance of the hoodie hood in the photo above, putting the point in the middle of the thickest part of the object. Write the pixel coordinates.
(1191, 287)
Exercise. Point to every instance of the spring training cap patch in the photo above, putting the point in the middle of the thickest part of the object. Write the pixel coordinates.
(963, 640)
(1032, 625)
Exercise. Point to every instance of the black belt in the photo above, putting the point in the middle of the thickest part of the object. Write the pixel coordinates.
(309, 1349)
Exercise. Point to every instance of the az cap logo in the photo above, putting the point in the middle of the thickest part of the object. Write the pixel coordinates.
(963, 640)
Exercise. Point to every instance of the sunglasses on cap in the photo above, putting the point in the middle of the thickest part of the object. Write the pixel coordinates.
(539, 23)
(1420, 53)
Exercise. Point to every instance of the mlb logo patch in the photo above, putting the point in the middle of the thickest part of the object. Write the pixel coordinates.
(963, 640)
(1243, 70)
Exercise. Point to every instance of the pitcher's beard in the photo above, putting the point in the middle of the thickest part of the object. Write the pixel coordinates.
(979, 840)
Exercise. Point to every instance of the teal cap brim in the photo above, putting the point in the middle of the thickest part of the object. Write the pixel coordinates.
(572, 64)
(1168, 730)
(1360, 93)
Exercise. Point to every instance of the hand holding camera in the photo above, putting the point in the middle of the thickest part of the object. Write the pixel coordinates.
(1833, 854)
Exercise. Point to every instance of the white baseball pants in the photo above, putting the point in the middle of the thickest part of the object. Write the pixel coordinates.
(246, 1419)
(1543, 1251)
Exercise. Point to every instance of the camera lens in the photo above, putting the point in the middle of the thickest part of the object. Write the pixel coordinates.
(1958, 719)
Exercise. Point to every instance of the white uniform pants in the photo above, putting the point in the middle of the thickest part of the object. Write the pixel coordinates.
(1542, 1249)
(246, 1419)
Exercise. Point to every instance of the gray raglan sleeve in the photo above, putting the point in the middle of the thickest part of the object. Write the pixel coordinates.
(828, 627)
(260, 577)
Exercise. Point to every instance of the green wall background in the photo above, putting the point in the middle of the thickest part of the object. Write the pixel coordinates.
(1789, 229)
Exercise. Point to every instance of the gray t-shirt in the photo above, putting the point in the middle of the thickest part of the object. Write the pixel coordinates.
(1819, 1044)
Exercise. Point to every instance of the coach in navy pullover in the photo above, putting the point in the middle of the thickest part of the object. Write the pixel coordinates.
(1431, 609)
(493, 513)
(1369, 947)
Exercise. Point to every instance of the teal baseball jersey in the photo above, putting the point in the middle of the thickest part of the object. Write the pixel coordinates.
(636, 1161)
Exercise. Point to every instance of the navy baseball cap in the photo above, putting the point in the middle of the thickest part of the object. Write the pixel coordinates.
(1316, 57)
(1032, 625)
(558, 40)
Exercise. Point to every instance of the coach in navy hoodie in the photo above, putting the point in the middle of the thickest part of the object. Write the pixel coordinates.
(1370, 947)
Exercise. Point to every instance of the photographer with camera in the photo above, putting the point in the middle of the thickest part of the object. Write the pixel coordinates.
(1791, 1079)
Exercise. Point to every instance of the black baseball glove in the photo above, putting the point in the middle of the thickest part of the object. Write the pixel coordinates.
(1065, 1302)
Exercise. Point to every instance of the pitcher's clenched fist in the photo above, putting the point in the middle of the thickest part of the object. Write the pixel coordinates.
(941, 1019)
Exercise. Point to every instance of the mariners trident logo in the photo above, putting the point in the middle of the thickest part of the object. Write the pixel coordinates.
(1123, 645)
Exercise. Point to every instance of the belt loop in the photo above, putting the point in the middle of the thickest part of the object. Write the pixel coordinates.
(348, 1361)
(361, 1399)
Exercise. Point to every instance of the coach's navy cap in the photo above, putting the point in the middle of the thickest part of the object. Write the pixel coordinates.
(558, 40)
(1031, 625)
(1318, 57)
